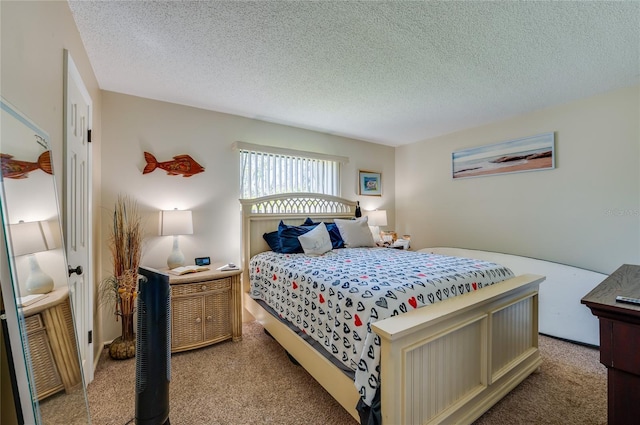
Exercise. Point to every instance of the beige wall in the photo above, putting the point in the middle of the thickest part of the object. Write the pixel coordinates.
(133, 125)
(584, 213)
(34, 36)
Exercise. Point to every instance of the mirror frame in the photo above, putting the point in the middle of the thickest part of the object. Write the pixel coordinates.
(11, 285)
(14, 337)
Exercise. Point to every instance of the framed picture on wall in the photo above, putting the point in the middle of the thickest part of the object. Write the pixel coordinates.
(370, 183)
(531, 153)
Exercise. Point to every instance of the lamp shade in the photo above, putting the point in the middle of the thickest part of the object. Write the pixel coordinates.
(377, 218)
(31, 237)
(176, 222)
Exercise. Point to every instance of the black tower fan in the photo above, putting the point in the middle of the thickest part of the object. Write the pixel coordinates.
(153, 348)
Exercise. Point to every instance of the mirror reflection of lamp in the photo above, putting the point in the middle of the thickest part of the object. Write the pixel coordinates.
(29, 239)
(174, 223)
(376, 219)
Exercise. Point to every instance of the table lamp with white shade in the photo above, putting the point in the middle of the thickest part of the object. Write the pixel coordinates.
(376, 219)
(29, 239)
(175, 223)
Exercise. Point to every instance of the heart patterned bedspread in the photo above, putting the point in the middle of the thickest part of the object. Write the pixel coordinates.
(335, 297)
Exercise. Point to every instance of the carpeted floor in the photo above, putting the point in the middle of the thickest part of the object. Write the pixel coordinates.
(248, 382)
(253, 382)
(569, 389)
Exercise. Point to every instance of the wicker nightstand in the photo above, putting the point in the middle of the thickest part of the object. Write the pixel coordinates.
(52, 341)
(206, 308)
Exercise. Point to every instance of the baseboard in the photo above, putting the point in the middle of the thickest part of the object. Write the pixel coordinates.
(584, 344)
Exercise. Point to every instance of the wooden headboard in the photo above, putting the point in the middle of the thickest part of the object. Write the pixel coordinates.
(262, 215)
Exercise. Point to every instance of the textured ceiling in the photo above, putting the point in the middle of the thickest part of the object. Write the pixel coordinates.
(386, 72)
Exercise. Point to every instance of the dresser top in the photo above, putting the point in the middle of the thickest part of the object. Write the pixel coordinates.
(624, 281)
(203, 276)
(54, 297)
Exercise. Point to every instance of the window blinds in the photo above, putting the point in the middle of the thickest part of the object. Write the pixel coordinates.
(265, 173)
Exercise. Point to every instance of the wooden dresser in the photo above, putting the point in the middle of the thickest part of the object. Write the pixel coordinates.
(619, 341)
(206, 308)
(52, 343)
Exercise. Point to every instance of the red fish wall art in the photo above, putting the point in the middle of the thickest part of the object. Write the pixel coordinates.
(180, 165)
(17, 169)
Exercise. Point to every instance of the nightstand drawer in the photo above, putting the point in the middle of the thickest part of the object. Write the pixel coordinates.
(199, 287)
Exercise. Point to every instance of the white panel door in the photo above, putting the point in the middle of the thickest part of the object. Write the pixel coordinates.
(77, 212)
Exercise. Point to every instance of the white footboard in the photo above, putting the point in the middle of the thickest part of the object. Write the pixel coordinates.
(451, 362)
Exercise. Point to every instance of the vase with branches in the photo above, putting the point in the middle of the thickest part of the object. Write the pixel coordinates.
(120, 288)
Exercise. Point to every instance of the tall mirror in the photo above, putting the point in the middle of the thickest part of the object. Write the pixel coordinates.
(35, 291)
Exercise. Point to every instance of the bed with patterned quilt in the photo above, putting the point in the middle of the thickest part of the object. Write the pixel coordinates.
(396, 336)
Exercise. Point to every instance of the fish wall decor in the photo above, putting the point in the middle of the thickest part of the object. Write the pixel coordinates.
(180, 165)
(17, 169)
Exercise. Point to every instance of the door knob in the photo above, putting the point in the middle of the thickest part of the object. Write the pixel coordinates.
(77, 270)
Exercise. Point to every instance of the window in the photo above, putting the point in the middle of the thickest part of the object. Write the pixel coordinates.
(266, 170)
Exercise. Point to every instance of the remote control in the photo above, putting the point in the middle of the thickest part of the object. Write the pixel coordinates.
(628, 300)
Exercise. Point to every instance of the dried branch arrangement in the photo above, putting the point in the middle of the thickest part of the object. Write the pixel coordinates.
(125, 245)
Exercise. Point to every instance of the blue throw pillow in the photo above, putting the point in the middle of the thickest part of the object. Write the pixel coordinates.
(334, 233)
(273, 240)
(289, 242)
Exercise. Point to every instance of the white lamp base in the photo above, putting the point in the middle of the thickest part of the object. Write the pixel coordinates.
(176, 258)
(38, 282)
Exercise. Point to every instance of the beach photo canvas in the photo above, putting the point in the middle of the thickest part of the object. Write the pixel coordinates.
(531, 153)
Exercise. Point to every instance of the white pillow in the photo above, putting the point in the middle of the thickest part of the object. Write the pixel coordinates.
(355, 233)
(316, 241)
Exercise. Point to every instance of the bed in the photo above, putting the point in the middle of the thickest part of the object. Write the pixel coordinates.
(448, 362)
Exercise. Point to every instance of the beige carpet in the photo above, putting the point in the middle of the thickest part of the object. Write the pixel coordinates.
(569, 389)
(253, 382)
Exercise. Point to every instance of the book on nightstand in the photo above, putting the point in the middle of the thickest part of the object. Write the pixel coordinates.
(178, 271)
(227, 267)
